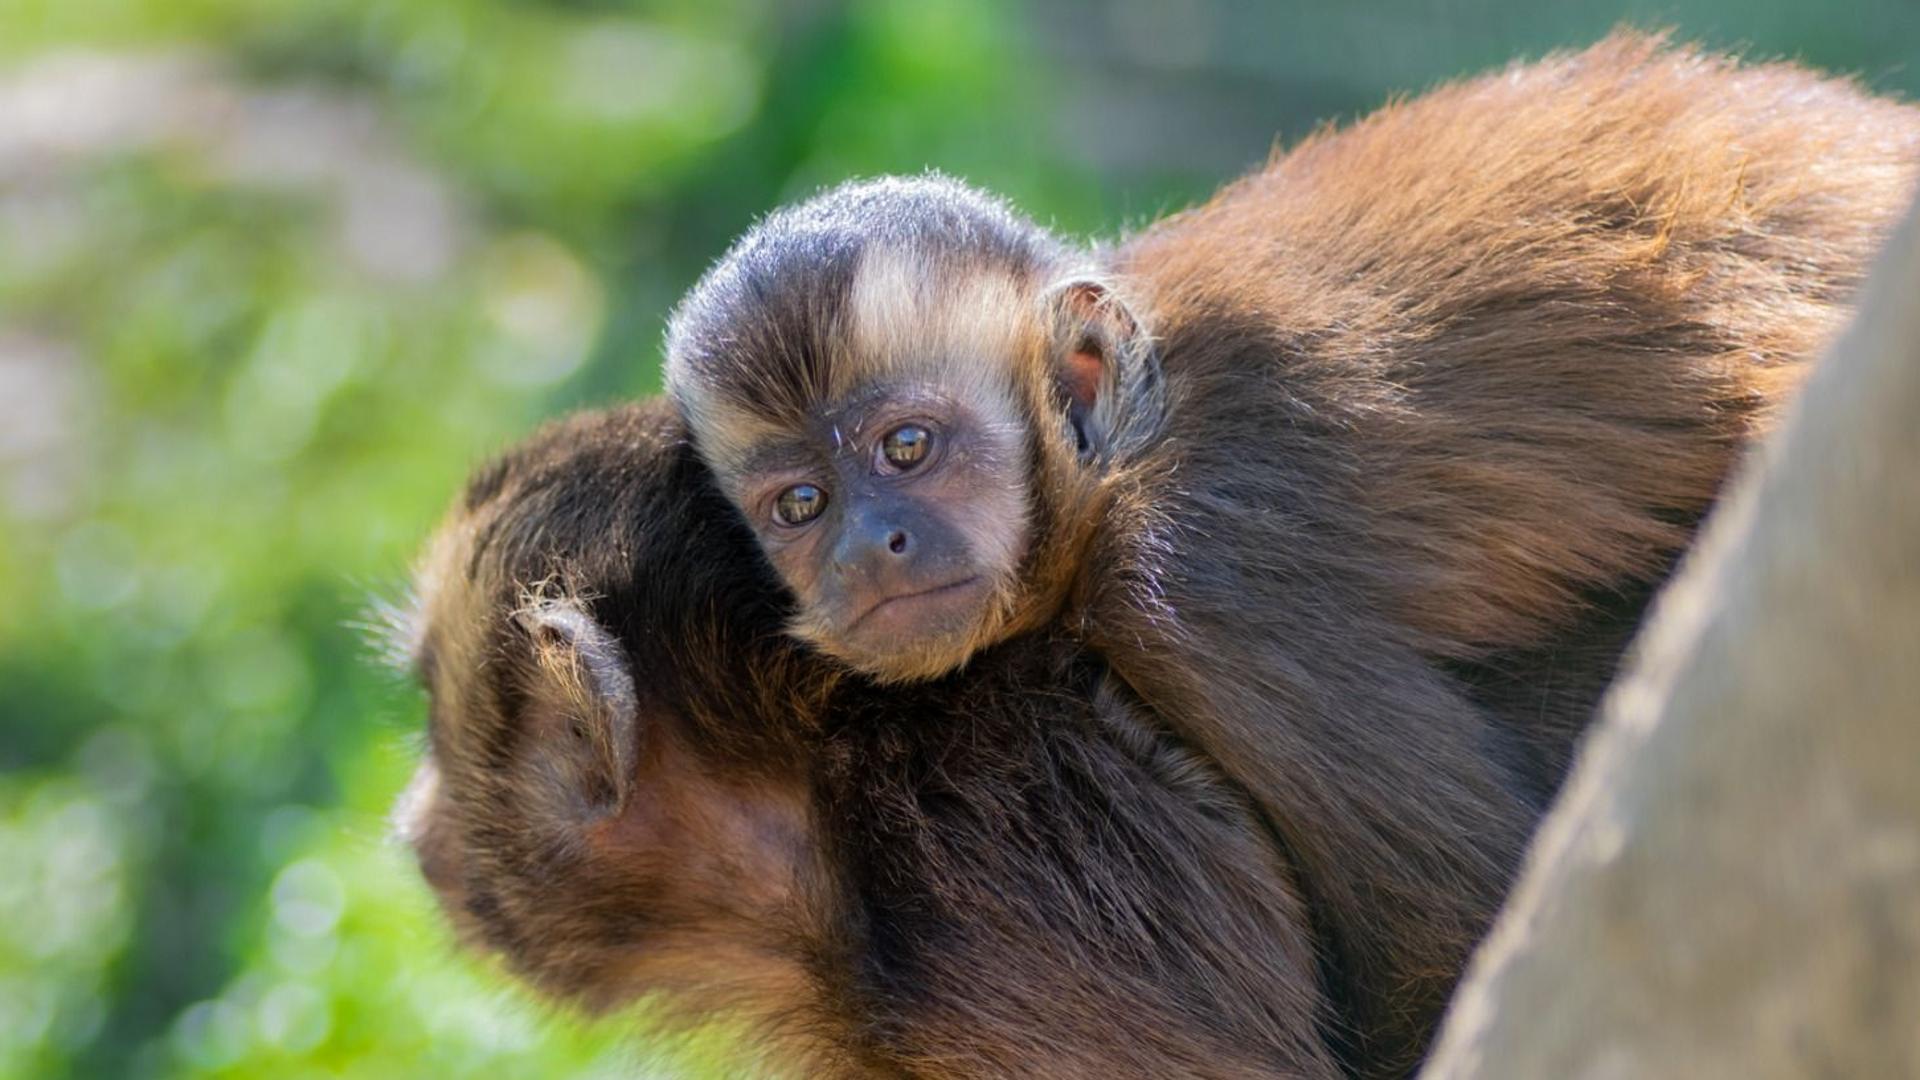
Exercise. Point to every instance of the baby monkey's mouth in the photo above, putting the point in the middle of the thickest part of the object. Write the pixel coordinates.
(916, 614)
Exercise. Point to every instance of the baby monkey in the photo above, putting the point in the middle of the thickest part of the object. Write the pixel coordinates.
(1359, 474)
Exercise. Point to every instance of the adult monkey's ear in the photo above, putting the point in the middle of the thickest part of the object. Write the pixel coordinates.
(581, 716)
(1106, 371)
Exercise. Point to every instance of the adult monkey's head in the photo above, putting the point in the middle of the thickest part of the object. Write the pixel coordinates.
(636, 785)
(616, 793)
(911, 394)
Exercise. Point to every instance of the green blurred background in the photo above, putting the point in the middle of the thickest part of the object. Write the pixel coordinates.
(274, 275)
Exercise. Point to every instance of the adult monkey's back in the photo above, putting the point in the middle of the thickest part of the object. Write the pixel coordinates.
(1448, 391)
(1443, 393)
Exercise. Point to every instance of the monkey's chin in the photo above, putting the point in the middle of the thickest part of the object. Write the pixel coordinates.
(917, 636)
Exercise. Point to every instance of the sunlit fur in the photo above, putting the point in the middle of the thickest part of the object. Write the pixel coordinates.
(1449, 390)
(1445, 393)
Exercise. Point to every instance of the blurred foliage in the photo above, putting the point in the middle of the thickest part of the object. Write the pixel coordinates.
(274, 275)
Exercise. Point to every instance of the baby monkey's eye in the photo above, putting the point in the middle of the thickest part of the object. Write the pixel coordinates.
(906, 446)
(799, 504)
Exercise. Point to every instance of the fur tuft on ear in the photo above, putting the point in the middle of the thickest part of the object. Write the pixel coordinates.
(1105, 369)
(584, 709)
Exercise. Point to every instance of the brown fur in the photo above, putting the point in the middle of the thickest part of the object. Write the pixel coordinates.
(707, 876)
(1550, 305)
(1441, 397)
(1008, 873)
(1449, 389)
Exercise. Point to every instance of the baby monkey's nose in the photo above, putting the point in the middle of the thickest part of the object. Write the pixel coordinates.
(880, 543)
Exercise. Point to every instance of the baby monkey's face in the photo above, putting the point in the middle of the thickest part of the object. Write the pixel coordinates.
(903, 387)
(899, 518)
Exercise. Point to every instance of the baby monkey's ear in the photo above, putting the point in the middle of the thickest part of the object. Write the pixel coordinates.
(582, 710)
(1106, 370)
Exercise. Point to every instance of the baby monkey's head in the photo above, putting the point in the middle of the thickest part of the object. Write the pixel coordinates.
(912, 393)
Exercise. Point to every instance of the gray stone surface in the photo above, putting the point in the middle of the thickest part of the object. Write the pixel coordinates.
(1731, 884)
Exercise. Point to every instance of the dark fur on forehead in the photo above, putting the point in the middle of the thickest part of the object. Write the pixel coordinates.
(614, 508)
(760, 329)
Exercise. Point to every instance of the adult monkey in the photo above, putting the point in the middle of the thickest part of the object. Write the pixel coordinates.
(1359, 474)
(636, 783)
